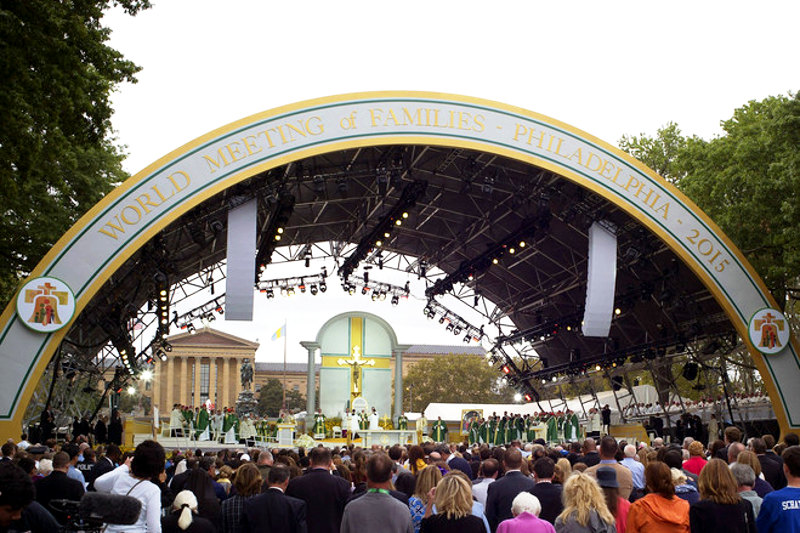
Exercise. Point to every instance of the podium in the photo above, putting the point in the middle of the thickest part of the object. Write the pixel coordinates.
(286, 435)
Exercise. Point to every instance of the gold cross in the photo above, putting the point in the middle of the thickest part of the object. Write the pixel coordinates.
(356, 363)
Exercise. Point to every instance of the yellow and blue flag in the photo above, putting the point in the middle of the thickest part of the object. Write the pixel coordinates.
(280, 333)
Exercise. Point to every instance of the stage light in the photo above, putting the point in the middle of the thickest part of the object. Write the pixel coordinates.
(449, 326)
(162, 356)
(597, 367)
(270, 294)
(283, 291)
(506, 369)
(191, 329)
(290, 291)
(395, 299)
(617, 311)
(398, 222)
(277, 237)
(457, 331)
(302, 287)
(323, 287)
(528, 398)
(405, 215)
(313, 289)
(351, 290)
(431, 315)
(467, 338)
(495, 261)
(280, 231)
(378, 243)
(167, 347)
(374, 296)
(382, 295)
(386, 235)
(364, 290)
(518, 397)
(554, 379)
(146, 375)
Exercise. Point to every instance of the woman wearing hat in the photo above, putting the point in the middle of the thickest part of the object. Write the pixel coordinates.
(617, 506)
(182, 519)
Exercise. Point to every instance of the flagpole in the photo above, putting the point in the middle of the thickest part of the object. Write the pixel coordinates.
(284, 363)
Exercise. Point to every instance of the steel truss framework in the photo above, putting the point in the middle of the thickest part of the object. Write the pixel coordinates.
(472, 202)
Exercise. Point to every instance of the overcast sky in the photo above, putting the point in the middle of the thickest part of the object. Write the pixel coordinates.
(608, 68)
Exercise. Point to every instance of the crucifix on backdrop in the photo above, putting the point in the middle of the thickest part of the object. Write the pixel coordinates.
(356, 363)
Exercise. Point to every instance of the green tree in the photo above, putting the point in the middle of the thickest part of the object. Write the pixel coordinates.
(454, 379)
(270, 398)
(661, 152)
(57, 155)
(746, 180)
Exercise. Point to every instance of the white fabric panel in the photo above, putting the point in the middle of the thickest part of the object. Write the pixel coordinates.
(602, 279)
(241, 273)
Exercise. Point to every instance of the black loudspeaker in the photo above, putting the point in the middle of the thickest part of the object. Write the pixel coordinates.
(616, 382)
(690, 371)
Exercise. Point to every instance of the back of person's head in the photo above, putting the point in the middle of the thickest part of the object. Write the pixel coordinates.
(791, 459)
(186, 503)
(264, 457)
(512, 459)
(379, 468)
(248, 480)
(696, 449)
(769, 441)
(17, 489)
(27, 464)
(750, 459)
(405, 483)
(630, 451)
(320, 456)
(589, 445)
(744, 475)
(734, 449)
(581, 495)
(8, 449)
(608, 447)
(113, 452)
(791, 439)
(72, 449)
(673, 457)
(60, 460)
(716, 483)
(544, 468)
(758, 446)
(453, 497)
(733, 434)
(443, 450)
(427, 478)
(278, 474)
(206, 462)
(148, 460)
(395, 453)
(658, 479)
(490, 467)
(45, 466)
(525, 502)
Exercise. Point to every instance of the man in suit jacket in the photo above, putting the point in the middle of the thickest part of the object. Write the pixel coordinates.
(272, 510)
(771, 468)
(549, 494)
(503, 491)
(454, 461)
(325, 495)
(107, 463)
(57, 486)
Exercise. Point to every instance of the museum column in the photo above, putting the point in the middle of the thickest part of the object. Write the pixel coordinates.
(212, 381)
(398, 379)
(196, 394)
(184, 396)
(311, 385)
(226, 383)
(170, 396)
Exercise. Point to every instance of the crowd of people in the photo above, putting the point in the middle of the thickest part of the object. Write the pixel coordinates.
(573, 487)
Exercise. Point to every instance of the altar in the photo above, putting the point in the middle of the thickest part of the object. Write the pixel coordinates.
(387, 437)
(285, 435)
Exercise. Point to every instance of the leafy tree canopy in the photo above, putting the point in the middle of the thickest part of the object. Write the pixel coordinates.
(57, 155)
(453, 379)
(746, 180)
(270, 398)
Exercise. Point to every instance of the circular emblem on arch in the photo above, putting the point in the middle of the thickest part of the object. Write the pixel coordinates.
(769, 331)
(45, 304)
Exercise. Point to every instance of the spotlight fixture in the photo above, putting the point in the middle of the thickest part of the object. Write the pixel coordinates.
(457, 331)
(313, 289)
(395, 299)
(323, 287)
(270, 294)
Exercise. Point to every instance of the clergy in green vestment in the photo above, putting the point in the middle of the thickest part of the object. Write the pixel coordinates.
(402, 422)
(363, 420)
(511, 429)
(552, 428)
(492, 430)
(473, 430)
(520, 427)
(439, 430)
(500, 432)
(530, 432)
(571, 427)
(319, 423)
(201, 423)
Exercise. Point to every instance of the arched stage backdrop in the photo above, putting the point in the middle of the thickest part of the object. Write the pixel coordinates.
(90, 252)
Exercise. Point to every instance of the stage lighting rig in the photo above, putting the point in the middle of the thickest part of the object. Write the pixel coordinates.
(383, 229)
(469, 269)
(453, 322)
(274, 230)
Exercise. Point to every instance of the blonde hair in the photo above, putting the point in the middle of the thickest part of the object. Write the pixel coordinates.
(453, 497)
(716, 483)
(564, 469)
(427, 478)
(581, 495)
(750, 459)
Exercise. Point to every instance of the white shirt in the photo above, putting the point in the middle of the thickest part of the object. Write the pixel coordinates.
(120, 481)
(373, 422)
(480, 490)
